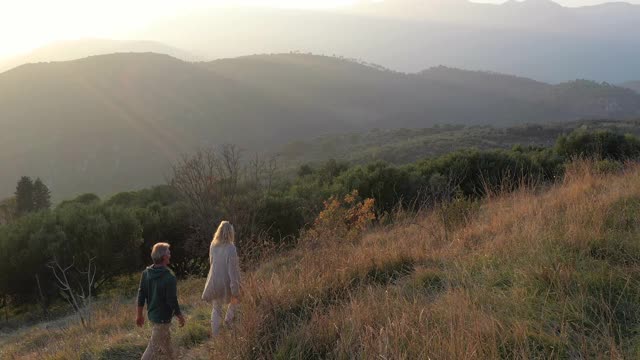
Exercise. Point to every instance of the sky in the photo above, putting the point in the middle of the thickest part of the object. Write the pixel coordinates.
(28, 24)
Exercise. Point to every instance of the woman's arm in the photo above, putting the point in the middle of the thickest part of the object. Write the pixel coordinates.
(234, 272)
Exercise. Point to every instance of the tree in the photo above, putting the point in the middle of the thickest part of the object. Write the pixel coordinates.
(41, 196)
(105, 239)
(24, 196)
(217, 185)
(76, 296)
(304, 170)
(331, 169)
(84, 199)
(7, 210)
(199, 180)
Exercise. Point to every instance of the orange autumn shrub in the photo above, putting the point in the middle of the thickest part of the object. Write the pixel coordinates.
(342, 218)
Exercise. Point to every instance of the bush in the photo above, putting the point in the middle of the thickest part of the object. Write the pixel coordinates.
(608, 166)
(343, 218)
(281, 217)
(475, 173)
(385, 184)
(71, 234)
(84, 199)
(600, 145)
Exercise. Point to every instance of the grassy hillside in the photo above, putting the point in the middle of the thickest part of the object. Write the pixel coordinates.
(535, 274)
(112, 123)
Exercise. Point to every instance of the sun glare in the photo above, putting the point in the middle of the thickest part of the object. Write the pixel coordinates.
(28, 24)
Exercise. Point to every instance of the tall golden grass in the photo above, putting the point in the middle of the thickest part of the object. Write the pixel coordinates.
(534, 274)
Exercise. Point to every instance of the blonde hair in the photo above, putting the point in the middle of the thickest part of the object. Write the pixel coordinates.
(158, 251)
(224, 235)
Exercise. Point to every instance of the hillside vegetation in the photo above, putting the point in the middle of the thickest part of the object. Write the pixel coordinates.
(111, 123)
(403, 146)
(538, 273)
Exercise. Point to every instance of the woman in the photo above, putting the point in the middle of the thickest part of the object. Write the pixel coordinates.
(223, 282)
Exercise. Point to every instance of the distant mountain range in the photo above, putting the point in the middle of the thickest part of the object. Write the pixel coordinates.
(115, 122)
(539, 15)
(77, 49)
(538, 39)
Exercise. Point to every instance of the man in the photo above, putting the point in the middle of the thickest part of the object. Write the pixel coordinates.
(158, 290)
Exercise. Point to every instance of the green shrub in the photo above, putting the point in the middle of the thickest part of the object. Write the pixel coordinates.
(281, 217)
(623, 215)
(599, 144)
(608, 166)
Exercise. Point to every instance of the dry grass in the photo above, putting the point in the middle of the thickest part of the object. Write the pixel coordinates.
(548, 275)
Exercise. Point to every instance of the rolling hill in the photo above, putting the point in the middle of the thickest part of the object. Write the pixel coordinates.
(115, 122)
(77, 49)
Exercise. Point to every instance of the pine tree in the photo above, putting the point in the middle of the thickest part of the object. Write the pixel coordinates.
(41, 196)
(24, 196)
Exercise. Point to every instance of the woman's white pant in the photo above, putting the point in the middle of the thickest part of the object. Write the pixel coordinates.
(216, 316)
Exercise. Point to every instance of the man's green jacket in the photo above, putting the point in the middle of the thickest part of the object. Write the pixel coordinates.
(158, 289)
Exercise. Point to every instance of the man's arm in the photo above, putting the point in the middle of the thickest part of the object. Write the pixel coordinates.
(142, 298)
(140, 317)
(172, 300)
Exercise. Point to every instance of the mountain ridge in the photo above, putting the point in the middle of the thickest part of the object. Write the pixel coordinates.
(110, 123)
(82, 48)
(597, 42)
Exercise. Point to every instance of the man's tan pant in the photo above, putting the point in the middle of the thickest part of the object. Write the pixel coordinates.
(160, 343)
